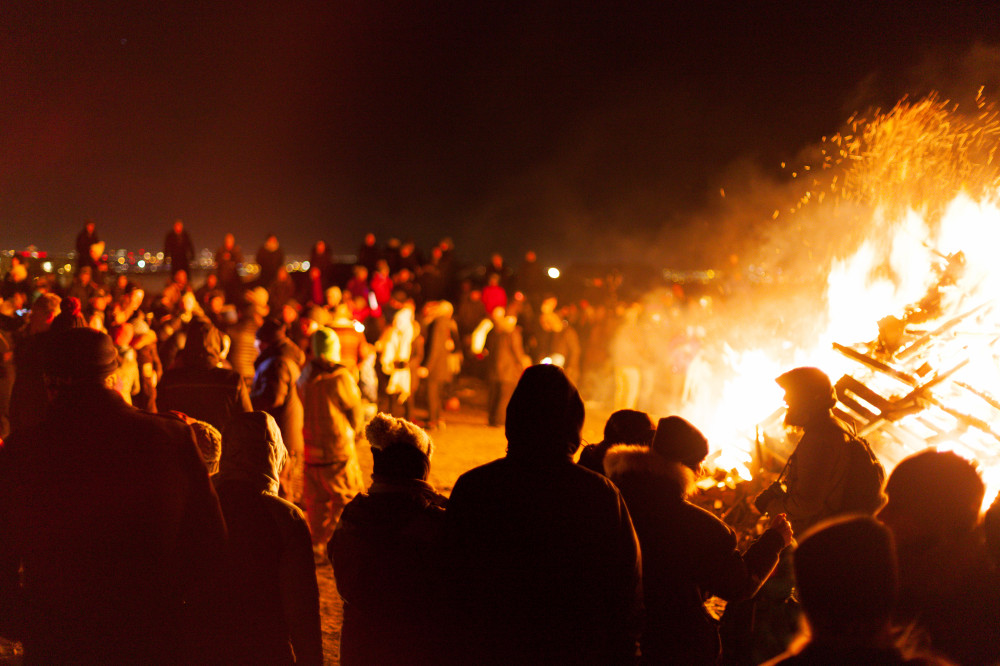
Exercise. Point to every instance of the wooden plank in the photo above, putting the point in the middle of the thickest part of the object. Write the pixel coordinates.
(875, 364)
(914, 346)
(851, 384)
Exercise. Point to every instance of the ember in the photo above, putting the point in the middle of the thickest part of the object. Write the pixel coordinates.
(901, 215)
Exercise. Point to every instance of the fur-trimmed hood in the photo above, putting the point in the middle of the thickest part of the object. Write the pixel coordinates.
(628, 464)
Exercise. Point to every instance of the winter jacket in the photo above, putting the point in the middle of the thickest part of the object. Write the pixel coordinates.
(816, 472)
(387, 559)
(112, 515)
(546, 568)
(505, 353)
(274, 390)
(440, 341)
(272, 594)
(332, 412)
(687, 555)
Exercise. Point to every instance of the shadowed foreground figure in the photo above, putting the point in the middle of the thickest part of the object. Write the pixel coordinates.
(546, 563)
(687, 553)
(199, 386)
(847, 581)
(112, 515)
(273, 597)
(387, 556)
(626, 426)
(949, 585)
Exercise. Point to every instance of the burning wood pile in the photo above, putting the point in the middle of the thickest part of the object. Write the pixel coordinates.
(911, 300)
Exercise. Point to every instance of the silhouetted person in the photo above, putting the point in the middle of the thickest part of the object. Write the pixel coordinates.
(178, 249)
(28, 397)
(817, 468)
(440, 342)
(111, 513)
(387, 554)
(948, 583)
(847, 582)
(369, 253)
(198, 385)
(274, 391)
(546, 562)
(321, 258)
(270, 257)
(334, 413)
(626, 426)
(273, 598)
(228, 260)
(506, 359)
(687, 553)
(85, 242)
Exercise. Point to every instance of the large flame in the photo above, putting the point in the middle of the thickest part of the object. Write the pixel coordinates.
(923, 179)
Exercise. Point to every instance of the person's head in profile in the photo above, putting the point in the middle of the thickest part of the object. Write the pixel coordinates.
(544, 415)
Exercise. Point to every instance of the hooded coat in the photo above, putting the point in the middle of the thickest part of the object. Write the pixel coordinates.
(687, 555)
(547, 567)
(200, 388)
(272, 591)
(274, 391)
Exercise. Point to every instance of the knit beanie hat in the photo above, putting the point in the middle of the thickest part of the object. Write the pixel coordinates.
(676, 439)
(326, 345)
(384, 432)
(80, 355)
(400, 450)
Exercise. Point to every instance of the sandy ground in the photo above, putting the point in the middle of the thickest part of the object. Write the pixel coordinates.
(465, 442)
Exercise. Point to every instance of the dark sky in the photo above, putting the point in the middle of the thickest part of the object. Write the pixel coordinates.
(503, 125)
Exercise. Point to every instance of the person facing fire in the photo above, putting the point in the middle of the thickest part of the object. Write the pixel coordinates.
(814, 480)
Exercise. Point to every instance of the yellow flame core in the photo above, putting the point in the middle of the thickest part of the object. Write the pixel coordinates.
(926, 178)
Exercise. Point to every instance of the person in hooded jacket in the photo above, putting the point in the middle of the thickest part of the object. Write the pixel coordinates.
(274, 391)
(333, 412)
(198, 385)
(111, 515)
(272, 596)
(687, 553)
(387, 554)
(545, 560)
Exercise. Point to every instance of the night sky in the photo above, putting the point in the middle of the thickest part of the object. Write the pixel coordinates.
(569, 127)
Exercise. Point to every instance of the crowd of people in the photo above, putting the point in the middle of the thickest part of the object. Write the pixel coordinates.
(174, 466)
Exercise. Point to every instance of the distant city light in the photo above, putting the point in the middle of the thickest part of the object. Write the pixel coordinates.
(141, 263)
(305, 265)
(359, 327)
(47, 266)
(553, 272)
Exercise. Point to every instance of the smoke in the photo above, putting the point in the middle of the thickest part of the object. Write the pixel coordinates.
(774, 235)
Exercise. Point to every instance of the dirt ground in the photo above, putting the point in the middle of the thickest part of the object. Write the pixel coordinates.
(465, 442)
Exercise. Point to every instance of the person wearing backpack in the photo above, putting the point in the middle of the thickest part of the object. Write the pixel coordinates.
(832, 471)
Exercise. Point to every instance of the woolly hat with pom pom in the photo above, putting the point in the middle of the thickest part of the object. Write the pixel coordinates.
(384, 432)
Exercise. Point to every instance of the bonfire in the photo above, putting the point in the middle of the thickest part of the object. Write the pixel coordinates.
(897, 223)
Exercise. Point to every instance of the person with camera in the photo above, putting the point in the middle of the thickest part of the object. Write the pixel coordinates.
(812, 490)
